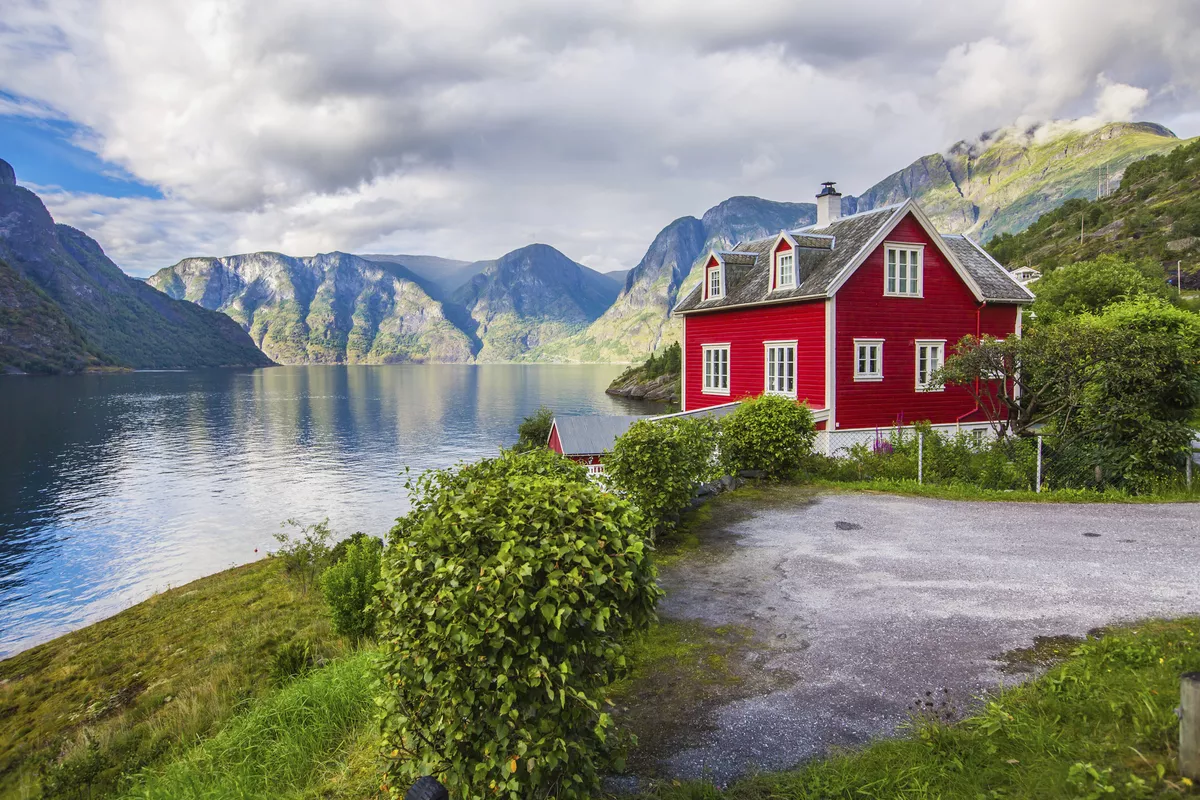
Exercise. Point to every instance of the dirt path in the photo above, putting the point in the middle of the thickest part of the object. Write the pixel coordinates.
(860, 605)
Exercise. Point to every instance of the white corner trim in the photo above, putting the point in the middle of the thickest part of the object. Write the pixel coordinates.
(831, 362)
(683, 353)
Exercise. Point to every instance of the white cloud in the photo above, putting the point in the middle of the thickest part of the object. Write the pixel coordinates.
(467, 128)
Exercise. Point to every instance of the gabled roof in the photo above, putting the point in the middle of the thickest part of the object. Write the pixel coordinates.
(826, 257)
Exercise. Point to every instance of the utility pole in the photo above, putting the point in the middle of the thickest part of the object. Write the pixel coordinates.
(1179, 277)
(1081, 227)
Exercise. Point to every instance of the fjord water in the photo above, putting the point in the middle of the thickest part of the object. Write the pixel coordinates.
(113, 487)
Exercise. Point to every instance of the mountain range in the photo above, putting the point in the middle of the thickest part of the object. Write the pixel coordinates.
(533, 304)
(65, 306)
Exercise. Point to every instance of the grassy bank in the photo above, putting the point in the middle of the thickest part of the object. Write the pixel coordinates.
(1100, 724)
(135, 690)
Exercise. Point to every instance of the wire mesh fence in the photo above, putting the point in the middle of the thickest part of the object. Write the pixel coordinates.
(972, 455)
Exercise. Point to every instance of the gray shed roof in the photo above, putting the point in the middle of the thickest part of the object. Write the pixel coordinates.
(596, 434)
(824, 254)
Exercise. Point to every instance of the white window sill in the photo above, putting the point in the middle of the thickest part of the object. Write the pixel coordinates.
(905, 296)
(868, 378)
(721, 392)
(929, 390)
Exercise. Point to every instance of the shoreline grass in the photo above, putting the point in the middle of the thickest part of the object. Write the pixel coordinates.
(910, 488)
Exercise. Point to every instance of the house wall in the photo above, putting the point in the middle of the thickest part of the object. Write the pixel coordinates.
(947, 310)
(746, 330)
(554, 443)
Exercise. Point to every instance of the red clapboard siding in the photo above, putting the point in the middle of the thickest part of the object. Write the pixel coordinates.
(555, 443)
(947, 311)
(745, 330)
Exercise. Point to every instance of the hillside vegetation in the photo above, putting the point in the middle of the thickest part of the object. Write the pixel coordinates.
(131, 323)
(35, 335)
(1155, 214)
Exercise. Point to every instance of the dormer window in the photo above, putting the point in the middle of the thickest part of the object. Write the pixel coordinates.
(715, 288)
(785, 270)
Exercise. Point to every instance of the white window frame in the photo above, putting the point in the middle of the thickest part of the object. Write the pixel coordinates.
(868, 376)
(779, 284)
(710, 379)
(708, 277)
(940, 344)
(781, 387)
(892, 283)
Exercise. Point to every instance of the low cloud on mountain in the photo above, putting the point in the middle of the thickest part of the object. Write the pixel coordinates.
(468, 128)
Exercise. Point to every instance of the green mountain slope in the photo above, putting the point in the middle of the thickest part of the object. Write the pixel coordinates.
(530, 297)
(1008, 178)
(326, 309)
(1155, 213)
(131, 323)
(35, 334)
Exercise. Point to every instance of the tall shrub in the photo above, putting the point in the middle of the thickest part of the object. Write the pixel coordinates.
(534, 430)
(770, 434)
(509, 588)
(657, 466)
(348, 587)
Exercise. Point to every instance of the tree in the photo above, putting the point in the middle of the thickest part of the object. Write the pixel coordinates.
(534, 430)
(509, 591)
(1019, 383)
(1091, 286)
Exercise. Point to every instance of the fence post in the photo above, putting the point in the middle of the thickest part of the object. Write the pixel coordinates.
(920, 457)
(1189, 726)
(1039, 466)
(1191, 454)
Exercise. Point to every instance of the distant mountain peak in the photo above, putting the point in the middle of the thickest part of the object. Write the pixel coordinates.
(8, 176)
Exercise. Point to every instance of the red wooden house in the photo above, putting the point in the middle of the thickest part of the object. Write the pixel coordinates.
(851, 315)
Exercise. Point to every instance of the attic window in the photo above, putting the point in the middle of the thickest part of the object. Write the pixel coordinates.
(902, 268)
(715, 288)
(785, 270)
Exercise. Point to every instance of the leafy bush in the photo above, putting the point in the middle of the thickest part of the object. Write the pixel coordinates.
(1093, 285)
(658, 465)
(292, 660)
(534, 430)
(305, 554)
(770, 434)
(348, 587)
(508, 591)
(339, 550)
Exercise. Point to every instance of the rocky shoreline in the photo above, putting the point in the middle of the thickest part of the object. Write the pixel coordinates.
(664, 388)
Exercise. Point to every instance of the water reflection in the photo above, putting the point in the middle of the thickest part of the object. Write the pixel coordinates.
(115, 486)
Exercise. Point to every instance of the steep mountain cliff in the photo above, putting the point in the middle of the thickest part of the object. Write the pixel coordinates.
(325, 309)
(35, 334)
(1005, 180)
(119, 319)
(1154, 214)
(530, 297)
(636, 324)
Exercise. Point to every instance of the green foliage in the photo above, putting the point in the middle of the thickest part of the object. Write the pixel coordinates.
(348, 587)
(292, 659)
(959, 459)
(770, 434)
(341, 548)
(305, 553)
(1100, 724)
(1143, 389)
(1090, 286)
(534, 430)
(667, 362)
(657, 465)
(1153, 215)
(508, 591)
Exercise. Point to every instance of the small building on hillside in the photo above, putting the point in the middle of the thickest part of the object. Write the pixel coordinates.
(587, 439)
(1025, 275)
(852, 315)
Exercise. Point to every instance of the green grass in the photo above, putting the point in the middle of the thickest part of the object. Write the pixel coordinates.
(1100, 724)
(285, 745)
(135, 690)
(958, 491)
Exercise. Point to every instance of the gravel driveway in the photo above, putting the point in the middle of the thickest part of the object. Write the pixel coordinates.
(865, 602)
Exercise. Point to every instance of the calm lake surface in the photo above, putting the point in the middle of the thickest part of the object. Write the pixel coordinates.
(113, 487)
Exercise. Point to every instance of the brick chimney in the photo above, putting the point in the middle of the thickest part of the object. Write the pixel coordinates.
(829, 204)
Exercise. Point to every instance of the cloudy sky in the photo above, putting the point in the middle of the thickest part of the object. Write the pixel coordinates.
(466, 128)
